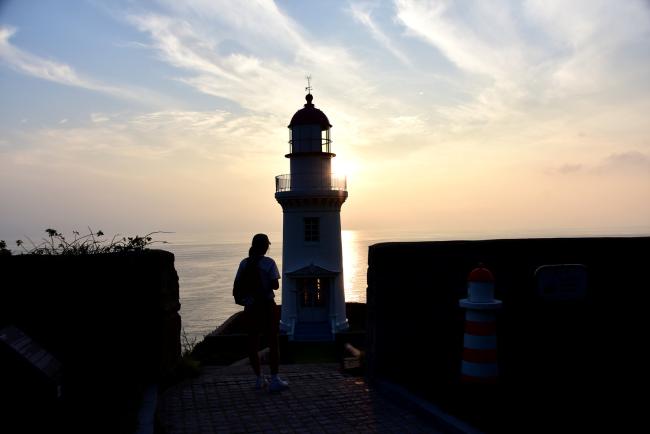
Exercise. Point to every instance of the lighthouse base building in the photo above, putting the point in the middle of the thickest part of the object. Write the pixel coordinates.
(313, 296)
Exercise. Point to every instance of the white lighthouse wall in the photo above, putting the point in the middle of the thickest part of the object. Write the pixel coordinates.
(326, 253)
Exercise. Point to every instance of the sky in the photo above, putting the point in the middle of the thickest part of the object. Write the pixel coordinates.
(449, 117)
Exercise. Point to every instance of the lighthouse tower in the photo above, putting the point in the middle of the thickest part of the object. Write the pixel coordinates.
(313, 299)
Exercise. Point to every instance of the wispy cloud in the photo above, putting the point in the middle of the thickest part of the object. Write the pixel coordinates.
(162, 135)
(625, 162)
(628, 163)
(265, 67)
(263, 72)
(539, 40)
(246, 79)
(362, 15)
(485, 44)
(62, 73)
(482, 42)
(46, 69)
(522, 58)
(99, 117)
(569, 168)
(590, 42)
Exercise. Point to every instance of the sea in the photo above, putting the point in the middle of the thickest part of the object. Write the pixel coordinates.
(207, 263)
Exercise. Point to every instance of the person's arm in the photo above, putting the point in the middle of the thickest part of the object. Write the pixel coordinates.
(239, 271)
(275, 275)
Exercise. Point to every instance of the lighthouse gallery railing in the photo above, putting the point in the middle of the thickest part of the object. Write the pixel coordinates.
(303, 182)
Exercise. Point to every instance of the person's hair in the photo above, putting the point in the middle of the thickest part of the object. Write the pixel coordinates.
(257, 250)
(259, 245)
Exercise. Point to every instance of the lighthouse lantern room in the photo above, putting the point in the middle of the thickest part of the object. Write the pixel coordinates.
(313, 298)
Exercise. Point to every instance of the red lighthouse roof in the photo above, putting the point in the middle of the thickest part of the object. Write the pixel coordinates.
(480, 274)
(310, 115)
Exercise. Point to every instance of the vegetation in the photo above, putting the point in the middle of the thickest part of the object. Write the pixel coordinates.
(3, 248)
(88, 244)
(188, 366)
(187, 343)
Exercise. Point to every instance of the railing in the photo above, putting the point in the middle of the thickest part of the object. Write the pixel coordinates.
(310, 181)
(297, 146)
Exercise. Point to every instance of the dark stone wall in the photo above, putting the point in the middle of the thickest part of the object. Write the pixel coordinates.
(566, 348)
(112, 320)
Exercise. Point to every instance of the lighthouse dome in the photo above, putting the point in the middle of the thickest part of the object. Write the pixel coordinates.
(310, 115)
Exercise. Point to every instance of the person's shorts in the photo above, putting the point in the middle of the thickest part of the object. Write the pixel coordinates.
(262, 318)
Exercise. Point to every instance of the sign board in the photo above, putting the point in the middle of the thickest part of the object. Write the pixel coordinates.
(561, 281)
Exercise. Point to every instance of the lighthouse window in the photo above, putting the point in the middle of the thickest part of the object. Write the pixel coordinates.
(312, 229)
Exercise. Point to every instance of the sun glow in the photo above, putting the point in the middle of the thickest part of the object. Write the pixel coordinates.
(347, 167)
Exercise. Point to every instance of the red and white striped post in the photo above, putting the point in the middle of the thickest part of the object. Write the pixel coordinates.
(479, 364)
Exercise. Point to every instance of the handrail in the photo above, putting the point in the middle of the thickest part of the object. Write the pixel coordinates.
(310, 181)
(309, 145)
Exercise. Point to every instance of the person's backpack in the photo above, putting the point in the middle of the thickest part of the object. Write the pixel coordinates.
(248, 286)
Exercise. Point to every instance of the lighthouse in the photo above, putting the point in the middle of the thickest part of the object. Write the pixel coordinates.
(311, 196)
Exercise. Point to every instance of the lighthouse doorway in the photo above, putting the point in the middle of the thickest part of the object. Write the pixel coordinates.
(313, 298)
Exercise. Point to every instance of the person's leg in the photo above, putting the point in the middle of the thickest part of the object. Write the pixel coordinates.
(272, 325)
(272, 335)
(253, 348)
(252, 329)
(277, 384)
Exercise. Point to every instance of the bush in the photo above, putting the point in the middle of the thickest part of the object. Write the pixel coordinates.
(89, 244)
(3, 248)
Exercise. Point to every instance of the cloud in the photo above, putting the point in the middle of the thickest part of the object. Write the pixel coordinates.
(538, 42)
(265, 66)
(260, 21)
(568, 168)
(99, 117)
(252, 82)
(20, 59)
(62, 73)
(362, 15)
(483, 42)
(45, 69)
(163, 135)
(589, 41)
(533, 61)
(630, 161)
(263, 69)
(179, 45)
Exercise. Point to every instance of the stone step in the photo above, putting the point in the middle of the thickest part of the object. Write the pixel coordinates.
(313, 331)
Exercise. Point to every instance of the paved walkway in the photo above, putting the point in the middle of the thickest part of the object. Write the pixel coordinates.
(320, 399)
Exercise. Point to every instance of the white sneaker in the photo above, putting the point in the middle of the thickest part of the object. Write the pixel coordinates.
(261, 382)
(277, 384)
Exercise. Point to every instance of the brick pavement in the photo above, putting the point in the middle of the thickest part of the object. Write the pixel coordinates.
(320, 399)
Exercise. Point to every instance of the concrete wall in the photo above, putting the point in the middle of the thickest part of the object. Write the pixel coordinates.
(112, 320)
(564, 347)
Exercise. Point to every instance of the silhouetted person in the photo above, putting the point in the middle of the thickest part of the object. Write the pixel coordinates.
(261, 314)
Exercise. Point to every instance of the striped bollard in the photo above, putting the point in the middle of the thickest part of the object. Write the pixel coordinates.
(479, 363)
